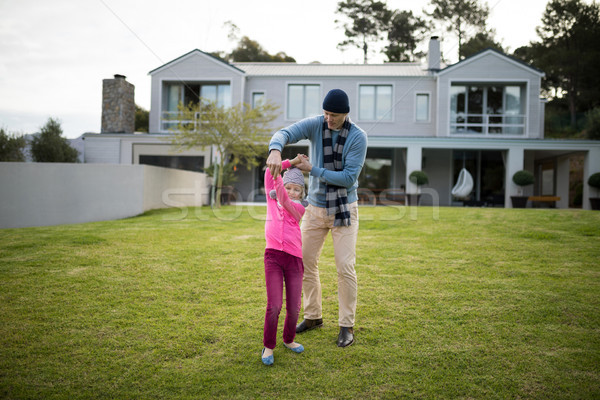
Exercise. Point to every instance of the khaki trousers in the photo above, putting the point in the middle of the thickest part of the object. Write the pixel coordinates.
(315, 226)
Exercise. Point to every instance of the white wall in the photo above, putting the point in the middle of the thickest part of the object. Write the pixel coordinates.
(41, 194)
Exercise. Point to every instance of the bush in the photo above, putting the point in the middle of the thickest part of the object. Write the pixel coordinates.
(50, 146)
(523, 178)
(594, 180)
(418, 177)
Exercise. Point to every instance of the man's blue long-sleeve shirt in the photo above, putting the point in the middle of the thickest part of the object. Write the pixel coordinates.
(353, 157)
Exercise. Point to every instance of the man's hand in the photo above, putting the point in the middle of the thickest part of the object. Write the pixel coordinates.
(304, 165)
(274, 163)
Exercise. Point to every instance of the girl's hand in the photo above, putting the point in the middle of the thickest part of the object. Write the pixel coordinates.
(298, 159)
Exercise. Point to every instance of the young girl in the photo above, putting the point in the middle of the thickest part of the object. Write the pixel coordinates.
(283, 256)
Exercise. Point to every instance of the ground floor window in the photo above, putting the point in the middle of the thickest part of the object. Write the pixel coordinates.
(288, 152)
(487, 169)
(188, 163)
(377, 172)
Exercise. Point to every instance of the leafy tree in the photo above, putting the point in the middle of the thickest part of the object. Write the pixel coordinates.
(248, 50)
(11, 147)
(238, 133)
(142, 118)
(404, 33)
(479, 42)
(458, 16)
(569, 52)
(50, 146)
(368, 20)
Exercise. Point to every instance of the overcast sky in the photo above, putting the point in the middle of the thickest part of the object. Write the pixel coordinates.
(54, 54)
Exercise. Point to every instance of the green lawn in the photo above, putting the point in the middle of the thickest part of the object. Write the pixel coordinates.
(470, 303)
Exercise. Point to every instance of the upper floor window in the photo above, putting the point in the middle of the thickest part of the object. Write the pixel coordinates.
(191, 92)
(175, 93)
(219, 93)
(375, 102)
(258, 98)
(303, 101)
(487, 109)
(422, 107)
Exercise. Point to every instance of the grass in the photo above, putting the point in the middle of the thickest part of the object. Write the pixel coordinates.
(468, 304)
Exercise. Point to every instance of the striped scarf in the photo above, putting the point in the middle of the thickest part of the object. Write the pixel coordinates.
(336, 196)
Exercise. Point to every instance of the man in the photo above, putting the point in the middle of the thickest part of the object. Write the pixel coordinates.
(338, 151)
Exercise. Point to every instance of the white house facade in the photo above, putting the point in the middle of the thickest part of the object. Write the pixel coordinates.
(483, 114)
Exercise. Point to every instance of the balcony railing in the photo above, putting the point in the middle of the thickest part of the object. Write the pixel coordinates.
(171, 119)
(488, 124)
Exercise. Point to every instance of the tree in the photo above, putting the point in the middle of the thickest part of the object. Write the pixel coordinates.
(458, 16)
(50, 146)
(142, 118)
(238, 133)
(592, 124)
(404, 33)
(368, 19)
(569, 52)
(479, 42)
(11, 147)
(248, 50)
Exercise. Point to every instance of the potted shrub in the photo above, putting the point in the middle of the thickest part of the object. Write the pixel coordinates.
(419, 178)
(594, 181)
(521, 178)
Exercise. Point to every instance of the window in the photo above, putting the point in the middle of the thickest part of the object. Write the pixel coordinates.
(218, 93)
(303, 101)
(188, 163)
(190, 92)
(487, 109)
(422, 107)
(257, 99)
(185, 93)
(375, 102)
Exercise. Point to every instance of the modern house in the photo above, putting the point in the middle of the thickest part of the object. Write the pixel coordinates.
(483, 114)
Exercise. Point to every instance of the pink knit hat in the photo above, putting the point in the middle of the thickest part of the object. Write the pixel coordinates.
(293, 175)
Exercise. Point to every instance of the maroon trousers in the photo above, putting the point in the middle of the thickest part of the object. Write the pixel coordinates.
(282, 267)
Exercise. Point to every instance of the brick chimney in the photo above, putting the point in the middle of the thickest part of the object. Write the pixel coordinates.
(118, 106)
(434, 56)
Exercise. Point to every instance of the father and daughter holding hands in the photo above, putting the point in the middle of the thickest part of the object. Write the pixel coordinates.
(338, 150)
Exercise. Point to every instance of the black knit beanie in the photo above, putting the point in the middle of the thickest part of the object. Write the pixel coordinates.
(336, 101)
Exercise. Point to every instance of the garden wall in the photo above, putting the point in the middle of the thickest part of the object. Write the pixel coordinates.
(41, 194)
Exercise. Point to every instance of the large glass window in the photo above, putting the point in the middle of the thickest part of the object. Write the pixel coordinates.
(303, 101)
(487, 109)
(218, 93)
(375, 102)
(185, 93)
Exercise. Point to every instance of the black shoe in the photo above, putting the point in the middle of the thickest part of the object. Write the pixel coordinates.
(346, 337)
(308, 324)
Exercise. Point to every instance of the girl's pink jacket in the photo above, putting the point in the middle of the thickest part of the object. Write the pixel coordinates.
(282, 229)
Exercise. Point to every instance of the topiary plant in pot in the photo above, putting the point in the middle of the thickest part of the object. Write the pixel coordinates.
(594, 181)
(419, 178)
(521, 178)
